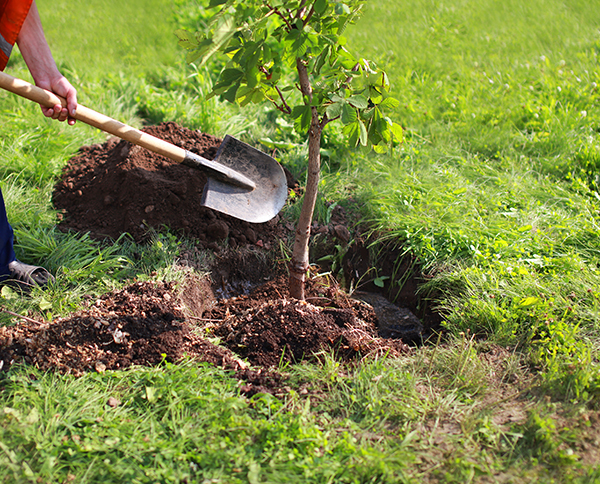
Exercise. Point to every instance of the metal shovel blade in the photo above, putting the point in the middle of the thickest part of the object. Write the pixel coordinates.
(258, 205)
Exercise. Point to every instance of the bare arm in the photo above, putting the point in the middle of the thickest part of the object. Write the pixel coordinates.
(36, 52)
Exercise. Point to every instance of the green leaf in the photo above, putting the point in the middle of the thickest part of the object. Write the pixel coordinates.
(385, 82)
(379, 130)
(322, 59)
(192, 56)
(528, 301)
(379, 124)
(300, 46)
(245, 95)
(320, 6)
(375, 95)
(266, 54)
(353, 133)
(222, 34)
(359, 101)
(386, 132)
(231, 94)
(151, 394)
(389, 103)
(329, 38)
(258, 96)
(362, 133)
(253, 56)
(342, 9)
(293, 35)
(252, 76)
(187, 40)
(44, 304)
(8, 293)
(334, 110)
(302, 116)
(397, 131)
(229, 76)
(228, 84)
(216, 3)
(348, 114)
(380, 281)
(381, 148)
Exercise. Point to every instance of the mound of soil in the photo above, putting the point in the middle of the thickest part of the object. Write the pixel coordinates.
(139, 325)
(148, 322)
(267, 329)
(116, 187)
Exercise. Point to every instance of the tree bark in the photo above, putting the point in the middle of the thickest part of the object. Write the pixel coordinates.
(300, 262)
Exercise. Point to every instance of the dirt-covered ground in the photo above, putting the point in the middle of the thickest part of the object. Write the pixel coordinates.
(118, 187)
(244, 304)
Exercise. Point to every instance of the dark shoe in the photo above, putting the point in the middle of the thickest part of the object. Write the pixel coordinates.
(26, 276)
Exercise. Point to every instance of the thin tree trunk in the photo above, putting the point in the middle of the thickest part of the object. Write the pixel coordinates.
(300, 263)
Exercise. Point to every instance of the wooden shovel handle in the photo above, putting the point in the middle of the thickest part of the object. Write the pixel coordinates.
(93, 118)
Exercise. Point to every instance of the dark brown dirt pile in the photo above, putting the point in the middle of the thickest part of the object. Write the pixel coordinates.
(267, 329)
(147, 322)
(116, 187)
(289, 331)
(139, 325)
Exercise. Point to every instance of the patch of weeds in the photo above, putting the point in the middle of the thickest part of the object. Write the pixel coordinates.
(159, 253)
(546, 441)
(371, 394)
(456, 366)
(172, 423)
(568, 368)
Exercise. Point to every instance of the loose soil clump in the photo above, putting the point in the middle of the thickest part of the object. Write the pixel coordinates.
(114, 188)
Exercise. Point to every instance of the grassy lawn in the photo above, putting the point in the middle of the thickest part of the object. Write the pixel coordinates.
(496, 190)
(494, 193)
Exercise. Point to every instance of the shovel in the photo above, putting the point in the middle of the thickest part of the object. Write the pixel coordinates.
(242, 181)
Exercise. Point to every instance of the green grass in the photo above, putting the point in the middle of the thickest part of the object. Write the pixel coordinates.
(494, 192)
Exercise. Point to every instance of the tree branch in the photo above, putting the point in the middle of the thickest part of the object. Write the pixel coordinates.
(301, 10)
(25, 318)
(310, 14)
(284, 107)
(325, 121)
(287, 110)
(282, 16)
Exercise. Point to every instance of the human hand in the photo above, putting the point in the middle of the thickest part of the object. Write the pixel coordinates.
(61, 87)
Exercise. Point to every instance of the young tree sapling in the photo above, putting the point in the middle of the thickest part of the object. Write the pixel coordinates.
(292, 53)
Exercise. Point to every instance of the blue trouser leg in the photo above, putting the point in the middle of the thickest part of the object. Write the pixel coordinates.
(7, 252)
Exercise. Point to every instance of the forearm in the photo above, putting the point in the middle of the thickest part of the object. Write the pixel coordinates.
(35, 50)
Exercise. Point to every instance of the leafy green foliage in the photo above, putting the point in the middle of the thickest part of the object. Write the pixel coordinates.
(265, 42)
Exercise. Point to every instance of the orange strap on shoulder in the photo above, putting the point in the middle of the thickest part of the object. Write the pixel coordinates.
(12, 16)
